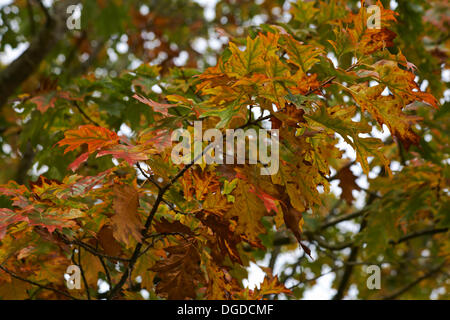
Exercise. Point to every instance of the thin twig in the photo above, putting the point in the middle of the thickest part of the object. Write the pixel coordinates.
(85, 115)
(326, 245)
(88, 294)
(414, 283)
(159, 199)
(147, 176)
(91, 249)
(342, 218)
(46, 12)
(105, 267)
(12, 274)
(418, 234)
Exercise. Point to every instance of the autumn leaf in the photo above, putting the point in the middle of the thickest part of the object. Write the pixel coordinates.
(8, 217)
(180, 272)
(48, 101)
(158, 107)
(126, 222)
(269, 202)
(130, 154)
(199, 184)
(301, 55)
(338, 94)
(270, 285)
(293, 220)
(108, 242)
(95, 138)
(374, 40)
(347, 183)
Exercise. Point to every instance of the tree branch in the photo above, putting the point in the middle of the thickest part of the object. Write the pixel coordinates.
(85, 115)
(342, 288)
(418, 234)
(326, 245)
(12, 274)
(105, 267)
(90, 249)
(136, 253)
(341, 219)
(25, 65)
(86, 287)
(414, 283)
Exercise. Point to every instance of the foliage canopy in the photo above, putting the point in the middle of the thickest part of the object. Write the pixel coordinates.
(87, 176)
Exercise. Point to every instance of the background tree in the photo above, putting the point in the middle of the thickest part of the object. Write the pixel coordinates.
(87, 177)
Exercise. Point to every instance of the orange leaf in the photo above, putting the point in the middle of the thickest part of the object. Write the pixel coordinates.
(95, 137)
(126, 221)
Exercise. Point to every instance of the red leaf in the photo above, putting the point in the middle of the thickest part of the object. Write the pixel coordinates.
(78, 161)
(8, 217)
(129, 153)
(158, 107)
(269, 201)
(47, 101)
(95, 137)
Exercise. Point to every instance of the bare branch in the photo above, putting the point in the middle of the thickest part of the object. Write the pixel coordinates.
(342, 218)
(414, 283)
(419, 234)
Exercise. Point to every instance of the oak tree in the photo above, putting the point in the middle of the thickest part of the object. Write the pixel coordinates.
(88, 178)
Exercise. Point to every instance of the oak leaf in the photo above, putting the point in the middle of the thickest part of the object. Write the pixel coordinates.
(126, 222)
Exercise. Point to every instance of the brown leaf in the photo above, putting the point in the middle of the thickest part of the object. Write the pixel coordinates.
(108, 242)
(201, 183)
(180, 273)
(375, 39)
(226, 239)
(270, 285)
(292, 219)
(125, 221)
(165, 226)
(347, 183)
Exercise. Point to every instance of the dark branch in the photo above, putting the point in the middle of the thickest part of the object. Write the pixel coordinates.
(86, 287)
(90, 249)
(85, 115)
(418, 234)
(12, 274)
(25, 65)
(414, 283)
(341, 219)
